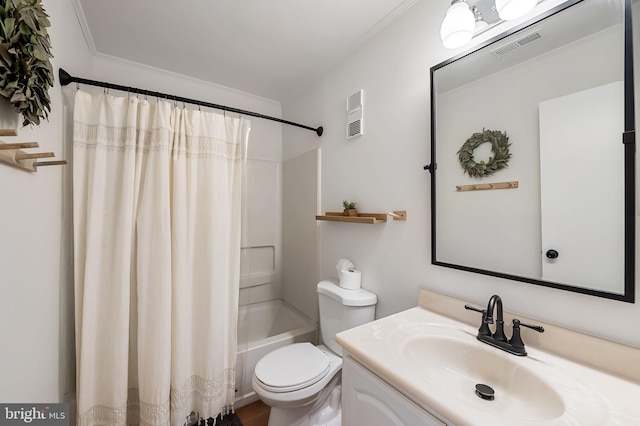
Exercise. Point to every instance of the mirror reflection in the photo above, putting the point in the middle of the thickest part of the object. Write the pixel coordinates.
(530, 177)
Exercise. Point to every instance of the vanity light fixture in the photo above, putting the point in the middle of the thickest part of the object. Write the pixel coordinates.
(466, 18)
(514, 9)
(458, 25)
(481, 24)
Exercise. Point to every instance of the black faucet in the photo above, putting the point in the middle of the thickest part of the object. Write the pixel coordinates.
(515, 345)
(499, 334)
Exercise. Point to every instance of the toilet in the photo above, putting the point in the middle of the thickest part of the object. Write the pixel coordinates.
(302, 382)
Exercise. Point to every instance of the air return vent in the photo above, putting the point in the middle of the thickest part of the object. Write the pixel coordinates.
(355, 128)
(354, 115)
(517, 44)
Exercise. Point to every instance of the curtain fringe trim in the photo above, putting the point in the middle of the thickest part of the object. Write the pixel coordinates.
(194, 419)
(137, 412)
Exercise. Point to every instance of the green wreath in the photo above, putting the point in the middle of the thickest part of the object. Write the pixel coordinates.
(499, 147)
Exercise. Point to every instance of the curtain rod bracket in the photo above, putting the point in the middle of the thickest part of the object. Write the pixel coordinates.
(64, 77)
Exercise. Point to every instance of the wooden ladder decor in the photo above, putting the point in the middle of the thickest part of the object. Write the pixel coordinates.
(12, 155)
(8, 132)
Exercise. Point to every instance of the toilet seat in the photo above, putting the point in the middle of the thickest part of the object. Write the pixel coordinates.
(292, 367)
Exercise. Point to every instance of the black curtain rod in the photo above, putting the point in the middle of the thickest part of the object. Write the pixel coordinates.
(65, 78)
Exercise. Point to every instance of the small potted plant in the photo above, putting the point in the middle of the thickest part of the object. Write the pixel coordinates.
(349, 208)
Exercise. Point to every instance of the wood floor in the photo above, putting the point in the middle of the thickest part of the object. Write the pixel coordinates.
(254, 414)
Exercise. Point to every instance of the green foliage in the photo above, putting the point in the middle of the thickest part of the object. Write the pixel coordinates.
(26, 73)
(499, 147)
(348, 205)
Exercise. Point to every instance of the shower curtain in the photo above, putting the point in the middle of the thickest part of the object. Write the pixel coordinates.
(157, 246)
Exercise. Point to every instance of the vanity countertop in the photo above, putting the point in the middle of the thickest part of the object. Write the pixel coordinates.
(589, 396)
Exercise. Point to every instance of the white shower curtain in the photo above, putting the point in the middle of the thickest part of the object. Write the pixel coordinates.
(157, 246)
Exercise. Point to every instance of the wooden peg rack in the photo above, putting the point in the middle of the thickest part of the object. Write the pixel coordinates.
(12, 155)
(487, 186)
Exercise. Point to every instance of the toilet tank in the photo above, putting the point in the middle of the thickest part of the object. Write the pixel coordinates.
(342, 309)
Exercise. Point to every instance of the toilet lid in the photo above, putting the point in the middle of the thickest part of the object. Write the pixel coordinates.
(292, 367)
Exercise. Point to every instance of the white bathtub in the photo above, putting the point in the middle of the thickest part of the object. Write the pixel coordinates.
(263, 327)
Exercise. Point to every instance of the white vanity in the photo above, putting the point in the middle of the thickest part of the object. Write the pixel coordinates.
(369, 400)
(419, 367)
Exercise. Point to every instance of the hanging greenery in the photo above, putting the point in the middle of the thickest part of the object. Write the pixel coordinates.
(26, 73)
(499, 147)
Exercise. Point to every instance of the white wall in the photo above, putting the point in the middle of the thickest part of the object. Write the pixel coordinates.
(382, 171)
(300, 231)
(36, 305)
(35, 298)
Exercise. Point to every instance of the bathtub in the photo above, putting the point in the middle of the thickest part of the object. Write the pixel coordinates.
(263, 327)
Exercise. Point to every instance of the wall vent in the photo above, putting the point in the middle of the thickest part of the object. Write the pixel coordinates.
(517, 44)
(355, 128)
(354, 115)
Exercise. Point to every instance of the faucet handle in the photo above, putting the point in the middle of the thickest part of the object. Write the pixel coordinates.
(516, 340)
(484, 327)
(471, 308)
(538, 328)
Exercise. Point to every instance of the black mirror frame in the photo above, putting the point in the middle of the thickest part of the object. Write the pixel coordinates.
(628, 139)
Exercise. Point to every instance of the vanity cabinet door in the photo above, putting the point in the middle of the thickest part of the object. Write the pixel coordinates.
(367, 400)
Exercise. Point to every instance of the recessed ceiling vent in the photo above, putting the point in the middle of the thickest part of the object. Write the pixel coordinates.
(517, 44)
(354, 115)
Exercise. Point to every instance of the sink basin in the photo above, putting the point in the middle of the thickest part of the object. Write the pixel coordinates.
(455, 366)
(437, 362)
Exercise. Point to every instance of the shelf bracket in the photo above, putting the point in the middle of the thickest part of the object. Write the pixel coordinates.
(398, 215)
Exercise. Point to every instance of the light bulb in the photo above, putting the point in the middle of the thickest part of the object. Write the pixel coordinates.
(514, 9)
(480, 25)
(457, 26)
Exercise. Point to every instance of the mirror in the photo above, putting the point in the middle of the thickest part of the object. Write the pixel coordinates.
(532, 150)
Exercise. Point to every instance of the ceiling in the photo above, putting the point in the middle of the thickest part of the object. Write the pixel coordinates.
(270, 48)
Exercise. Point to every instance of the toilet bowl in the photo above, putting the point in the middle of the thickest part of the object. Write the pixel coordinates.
(299, 376)
(302, 382)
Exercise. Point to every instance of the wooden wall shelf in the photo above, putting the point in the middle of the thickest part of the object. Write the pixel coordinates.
(12, 155)
(369, 218)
